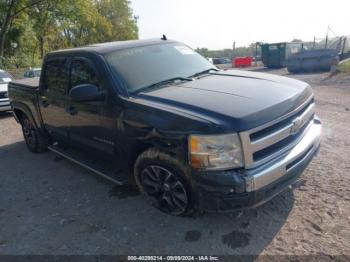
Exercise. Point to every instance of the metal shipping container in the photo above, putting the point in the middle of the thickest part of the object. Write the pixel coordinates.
(313, 61)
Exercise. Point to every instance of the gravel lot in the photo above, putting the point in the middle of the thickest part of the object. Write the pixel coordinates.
(49, 205)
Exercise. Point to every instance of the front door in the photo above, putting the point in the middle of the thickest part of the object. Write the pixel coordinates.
(86, 119)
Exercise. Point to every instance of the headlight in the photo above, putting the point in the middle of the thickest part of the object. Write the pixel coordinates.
(215, 151)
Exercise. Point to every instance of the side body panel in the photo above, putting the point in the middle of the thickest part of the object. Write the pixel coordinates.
(143, 125)
(25, 100)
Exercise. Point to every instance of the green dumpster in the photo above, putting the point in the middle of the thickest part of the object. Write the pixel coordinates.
(276, 55)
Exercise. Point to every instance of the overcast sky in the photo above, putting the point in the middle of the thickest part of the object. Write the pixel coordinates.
(217, 23)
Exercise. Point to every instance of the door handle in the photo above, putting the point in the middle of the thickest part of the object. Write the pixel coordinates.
(71, 110)
(44, 103)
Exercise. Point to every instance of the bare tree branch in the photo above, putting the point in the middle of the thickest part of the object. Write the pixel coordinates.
(25, 7)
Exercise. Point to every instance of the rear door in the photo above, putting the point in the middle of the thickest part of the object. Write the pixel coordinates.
(53, 97)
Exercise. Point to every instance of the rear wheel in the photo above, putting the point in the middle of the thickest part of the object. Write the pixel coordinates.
(162, 180)
(35, 141)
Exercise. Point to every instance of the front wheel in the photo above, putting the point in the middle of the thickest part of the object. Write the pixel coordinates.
(163, 181)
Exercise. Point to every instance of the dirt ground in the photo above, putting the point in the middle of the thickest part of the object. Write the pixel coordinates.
(49, 205)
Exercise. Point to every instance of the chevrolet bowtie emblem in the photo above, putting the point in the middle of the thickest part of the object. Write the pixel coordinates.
(297, 124)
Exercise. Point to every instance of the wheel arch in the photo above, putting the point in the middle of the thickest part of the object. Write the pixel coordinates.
(164, 155)
(20, 110)
(175, 152)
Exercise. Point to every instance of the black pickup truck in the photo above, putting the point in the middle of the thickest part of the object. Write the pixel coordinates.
(156, 113)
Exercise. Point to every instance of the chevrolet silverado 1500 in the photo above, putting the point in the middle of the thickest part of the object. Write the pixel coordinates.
(156, 113)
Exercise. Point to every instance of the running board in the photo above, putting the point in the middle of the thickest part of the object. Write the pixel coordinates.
(85, 160)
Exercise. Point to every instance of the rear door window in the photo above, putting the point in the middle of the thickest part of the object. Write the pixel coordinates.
(56, 76)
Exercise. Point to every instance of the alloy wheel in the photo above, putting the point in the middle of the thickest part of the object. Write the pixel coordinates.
(164, 189)
(29, 133)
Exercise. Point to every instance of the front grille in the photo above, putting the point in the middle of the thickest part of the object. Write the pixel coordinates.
(261, 154)
(280, 124)
(3, 95)
(266, 142)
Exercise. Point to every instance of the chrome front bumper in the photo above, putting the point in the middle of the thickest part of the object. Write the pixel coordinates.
(268, 173)
(5, 105)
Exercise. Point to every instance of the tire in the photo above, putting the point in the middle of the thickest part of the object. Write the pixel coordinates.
(162, 180)
(35, 141)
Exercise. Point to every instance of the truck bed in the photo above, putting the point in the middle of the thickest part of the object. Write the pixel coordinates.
(32, 83)
(23, 96)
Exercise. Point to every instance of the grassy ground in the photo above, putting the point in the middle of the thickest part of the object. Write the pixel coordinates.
(344, 67)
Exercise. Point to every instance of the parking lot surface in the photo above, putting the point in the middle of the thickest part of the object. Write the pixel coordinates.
(49, 205)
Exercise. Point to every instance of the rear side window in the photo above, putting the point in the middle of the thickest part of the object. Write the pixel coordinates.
(56, 77)
(83, 73)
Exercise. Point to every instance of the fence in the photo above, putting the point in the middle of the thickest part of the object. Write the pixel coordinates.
(18, 72)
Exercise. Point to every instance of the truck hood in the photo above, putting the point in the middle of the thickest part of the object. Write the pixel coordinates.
(236, 100)
(3, 87)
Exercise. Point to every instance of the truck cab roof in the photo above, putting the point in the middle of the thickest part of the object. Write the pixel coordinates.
(108, 47)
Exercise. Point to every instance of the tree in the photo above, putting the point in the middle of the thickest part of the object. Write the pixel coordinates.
(82, 24)
(119, 14)
(30, 28)
(43, 18)
(6, 15)
(9, 9)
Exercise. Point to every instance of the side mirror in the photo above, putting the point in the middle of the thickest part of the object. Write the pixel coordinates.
(85, 93)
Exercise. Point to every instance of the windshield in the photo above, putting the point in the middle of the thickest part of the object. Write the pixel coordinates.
(143, 66)
(37, 72)
(5, 77)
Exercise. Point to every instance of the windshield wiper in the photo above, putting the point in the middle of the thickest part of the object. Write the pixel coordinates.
(164, 82)
(203, 72)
